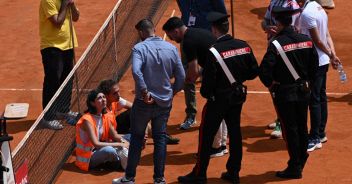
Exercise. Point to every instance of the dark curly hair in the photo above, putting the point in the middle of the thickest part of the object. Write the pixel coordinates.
(92, 95)
(105, 86)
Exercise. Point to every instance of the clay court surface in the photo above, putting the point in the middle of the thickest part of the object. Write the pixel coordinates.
(21, 80)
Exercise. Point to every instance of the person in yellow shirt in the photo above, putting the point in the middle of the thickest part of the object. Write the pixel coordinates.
(56, 46)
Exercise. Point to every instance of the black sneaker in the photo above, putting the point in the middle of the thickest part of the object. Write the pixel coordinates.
(233, 178)
(171, 140)
(289, 173)
(192, 178)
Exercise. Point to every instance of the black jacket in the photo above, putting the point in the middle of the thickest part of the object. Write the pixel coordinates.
(303, 56)
(238, 57)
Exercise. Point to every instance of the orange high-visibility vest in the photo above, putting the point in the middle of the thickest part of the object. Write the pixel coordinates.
(84, 150)
(114, 112)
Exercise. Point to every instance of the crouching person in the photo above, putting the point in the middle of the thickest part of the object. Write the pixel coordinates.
(97, 143)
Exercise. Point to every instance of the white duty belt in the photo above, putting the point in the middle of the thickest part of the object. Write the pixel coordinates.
(224, 67)
(286, 60)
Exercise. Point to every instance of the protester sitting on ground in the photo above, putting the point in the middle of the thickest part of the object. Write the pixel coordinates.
(97, 143)
(115, 104)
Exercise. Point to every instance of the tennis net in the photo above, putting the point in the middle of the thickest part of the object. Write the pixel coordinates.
(107, 56)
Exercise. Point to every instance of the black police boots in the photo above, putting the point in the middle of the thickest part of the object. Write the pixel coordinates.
(192, 178)
(290, 173)
(231, 177)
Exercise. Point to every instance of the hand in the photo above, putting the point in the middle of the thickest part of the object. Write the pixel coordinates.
(190, 79)
(335, 61)
(125, 144)
(147, 98)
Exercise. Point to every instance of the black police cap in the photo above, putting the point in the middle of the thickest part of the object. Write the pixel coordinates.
(279, 11)
(217, 17)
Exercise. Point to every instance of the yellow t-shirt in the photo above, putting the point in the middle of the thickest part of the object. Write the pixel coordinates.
(51, 36)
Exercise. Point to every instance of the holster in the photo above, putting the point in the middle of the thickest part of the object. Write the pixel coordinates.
(239, 93)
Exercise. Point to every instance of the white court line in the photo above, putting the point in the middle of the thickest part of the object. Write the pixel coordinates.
(267, 92)
(172, 14)
(14, 89)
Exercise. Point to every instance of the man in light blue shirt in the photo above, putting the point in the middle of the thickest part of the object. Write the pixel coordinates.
(154, 63)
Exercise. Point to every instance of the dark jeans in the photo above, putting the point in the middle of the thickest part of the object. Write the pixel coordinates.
(141, 114)
(123, 122)
(293, 116)
(57, 65)
(318, 104)
(212, 115)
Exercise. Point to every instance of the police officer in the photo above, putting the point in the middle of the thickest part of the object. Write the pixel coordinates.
(224, 99)
(290, 91)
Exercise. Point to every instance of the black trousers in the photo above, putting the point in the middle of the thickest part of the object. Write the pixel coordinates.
(57, 65)
(123, 121)
(213, 113)
(293, 117)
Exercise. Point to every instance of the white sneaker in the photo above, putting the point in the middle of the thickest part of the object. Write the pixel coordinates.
(159, 181)
(123, 180)
(314, 144)
(273, 124)
(324, 139)
(53, 124)
(277, 133)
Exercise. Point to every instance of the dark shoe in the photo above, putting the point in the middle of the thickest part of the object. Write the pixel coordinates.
(188, 123)
(216, 152)
(171, 140)
(192, 178)
(289, 173)
(233, 178)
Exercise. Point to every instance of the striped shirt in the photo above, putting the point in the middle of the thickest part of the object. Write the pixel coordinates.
(269, 18)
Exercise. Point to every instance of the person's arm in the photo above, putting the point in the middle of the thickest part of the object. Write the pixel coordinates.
(335, 60)
(88, 128)
(117, 137)
(209, 77)
(58, 19)
(74, 11)
(179, 74)
(314, 33)
(192, 72)
(252, 66)
(266, 67)
(190, 53)
(329, 49)
(137, 64)
(128, 105)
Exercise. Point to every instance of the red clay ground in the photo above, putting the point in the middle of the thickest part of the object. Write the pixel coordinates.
(21, 68)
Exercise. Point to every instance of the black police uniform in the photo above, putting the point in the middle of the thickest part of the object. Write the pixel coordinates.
(223, 103)
(291, 97)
